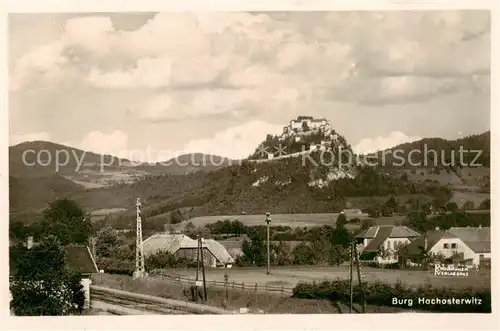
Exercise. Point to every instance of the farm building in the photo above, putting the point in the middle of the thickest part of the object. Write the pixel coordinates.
(182, 246)
(374, 241)
(470, 246)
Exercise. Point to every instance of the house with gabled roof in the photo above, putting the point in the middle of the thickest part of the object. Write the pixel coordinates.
(381, 243)
(468, 246)
(182, 246)
(478, 240)
(80, 259)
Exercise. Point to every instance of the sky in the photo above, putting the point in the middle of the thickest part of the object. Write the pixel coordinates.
(217, 83)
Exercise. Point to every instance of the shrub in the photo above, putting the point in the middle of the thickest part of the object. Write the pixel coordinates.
(382, 294)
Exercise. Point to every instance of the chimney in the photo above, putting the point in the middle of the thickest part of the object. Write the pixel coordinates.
(29, 242)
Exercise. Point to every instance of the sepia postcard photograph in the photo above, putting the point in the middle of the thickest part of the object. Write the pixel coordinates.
(250, 163)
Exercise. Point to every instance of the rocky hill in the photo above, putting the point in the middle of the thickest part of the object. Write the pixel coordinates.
(313, 182)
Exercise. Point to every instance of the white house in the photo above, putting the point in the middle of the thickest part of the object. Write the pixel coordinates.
(470, 246)
(376, 240)
(81, 260)
(478, 240)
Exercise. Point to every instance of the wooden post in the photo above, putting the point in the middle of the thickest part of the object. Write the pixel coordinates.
(198, 259)
(350, 282)
(282, 288)
(256, 287)
(360, 282)
(243, 286)
(203, 271)
(226, 277)
(233, 284)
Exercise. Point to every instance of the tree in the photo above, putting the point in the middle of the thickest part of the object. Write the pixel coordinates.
(176, 217)
(452, 206)
(254, 253)
(283, 254)
(67, 221)
(190, 230)
(392, 203)
(107, 241)
(42, 283)
(468, 205)
(486, 204)
(303, 254)
(367, 223)
(341, 220)
(339, 254)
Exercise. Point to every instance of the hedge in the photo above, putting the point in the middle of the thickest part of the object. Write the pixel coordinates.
(383, 294)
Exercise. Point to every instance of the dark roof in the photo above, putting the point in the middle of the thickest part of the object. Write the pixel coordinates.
(382, 234)
(433, 236)
(80, 259)
(478, 239)
(395, 232)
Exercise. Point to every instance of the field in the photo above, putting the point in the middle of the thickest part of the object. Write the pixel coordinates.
(255, 302)
(290, 276)
(291, 220)
(461, 197)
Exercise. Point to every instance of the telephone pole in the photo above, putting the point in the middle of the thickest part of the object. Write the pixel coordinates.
(350, 280)
(268, 220)
(203, 271)
(359, 277)
(139, 251)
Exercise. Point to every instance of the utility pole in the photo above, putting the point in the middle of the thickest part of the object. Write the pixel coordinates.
(198, 258)
(139, 251)
(226, 280)
(350, 281)
(268, 220)
(359, 278)
(203, 272)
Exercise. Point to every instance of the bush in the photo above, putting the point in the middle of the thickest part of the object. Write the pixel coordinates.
(382, 294)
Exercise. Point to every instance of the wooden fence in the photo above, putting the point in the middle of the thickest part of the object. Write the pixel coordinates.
(232, 285)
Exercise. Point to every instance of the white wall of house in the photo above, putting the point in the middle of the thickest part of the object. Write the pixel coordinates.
(450, 246)
(86, 288)
(392, 245)
(484, 255)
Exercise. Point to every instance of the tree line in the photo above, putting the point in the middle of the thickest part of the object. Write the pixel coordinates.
(41, 280)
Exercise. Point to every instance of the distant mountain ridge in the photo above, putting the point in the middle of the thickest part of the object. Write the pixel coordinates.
(23, 161)
(477, 150)
(283, 186)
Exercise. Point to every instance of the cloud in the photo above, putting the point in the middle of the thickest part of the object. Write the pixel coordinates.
(236, 142)
(370, 145)
(113, 143)
(19, 138)
(238, 65)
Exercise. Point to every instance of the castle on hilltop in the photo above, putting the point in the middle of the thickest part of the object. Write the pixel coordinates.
(306, 125)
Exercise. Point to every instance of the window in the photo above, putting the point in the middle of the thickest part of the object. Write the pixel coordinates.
(481, 256)
(445, 245)
(454, 245)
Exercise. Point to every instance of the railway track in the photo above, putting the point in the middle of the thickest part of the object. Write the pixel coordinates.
(120, 302)
(133, 304)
